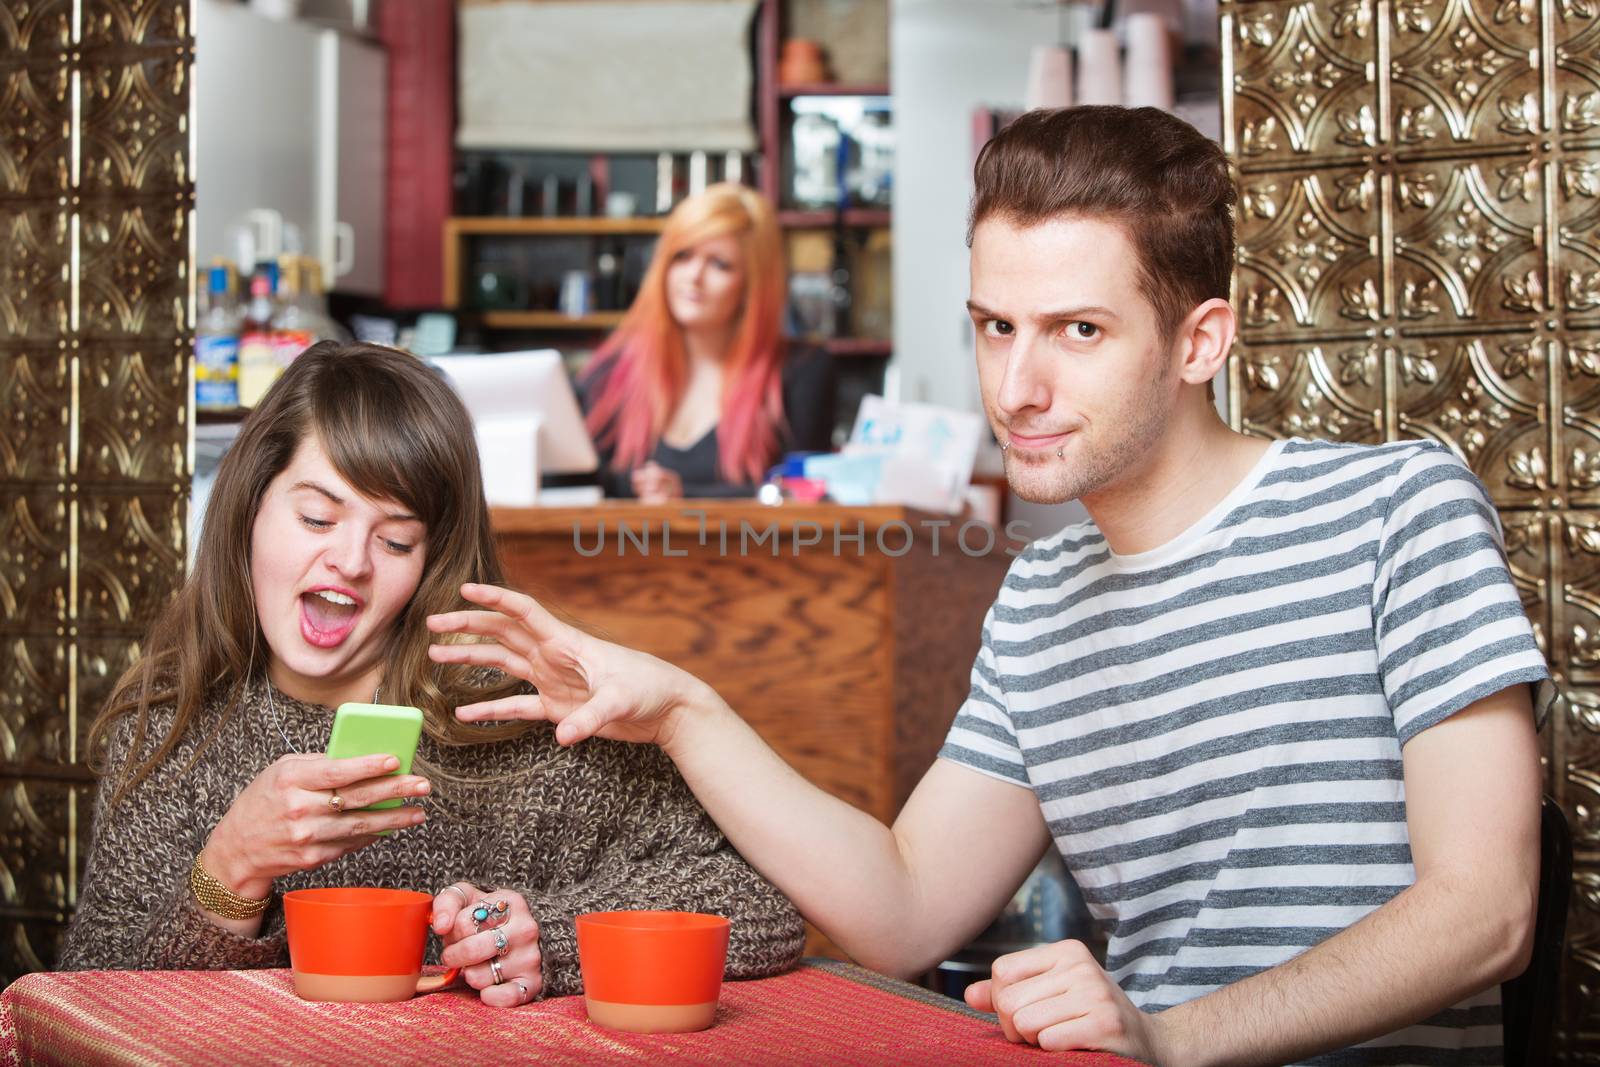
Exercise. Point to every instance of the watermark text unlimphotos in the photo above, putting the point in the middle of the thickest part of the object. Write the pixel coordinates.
(746, 537)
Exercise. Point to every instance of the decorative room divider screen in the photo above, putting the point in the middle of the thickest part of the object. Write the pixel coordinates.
(1418, 257)
(96, 194)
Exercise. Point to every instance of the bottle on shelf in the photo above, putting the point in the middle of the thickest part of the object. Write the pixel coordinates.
(608, 278)
(216, 344)
(258, 357)
(302, 318)
(815, 161)
(840, 295)
(293, 326)
(315, 301)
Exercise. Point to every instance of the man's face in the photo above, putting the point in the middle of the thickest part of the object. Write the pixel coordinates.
(1070, 355)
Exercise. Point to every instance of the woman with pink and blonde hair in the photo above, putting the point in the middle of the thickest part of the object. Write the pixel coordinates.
(696, 393)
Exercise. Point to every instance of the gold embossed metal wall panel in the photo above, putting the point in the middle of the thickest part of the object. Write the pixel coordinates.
(1419, 256)
(96, 194)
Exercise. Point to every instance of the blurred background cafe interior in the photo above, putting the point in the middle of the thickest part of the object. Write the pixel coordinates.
(485, 182)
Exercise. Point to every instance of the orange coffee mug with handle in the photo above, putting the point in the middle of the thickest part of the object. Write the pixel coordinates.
(360, 945)
(652, 972)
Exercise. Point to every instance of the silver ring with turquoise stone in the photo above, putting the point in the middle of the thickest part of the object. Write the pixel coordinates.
(490, 913)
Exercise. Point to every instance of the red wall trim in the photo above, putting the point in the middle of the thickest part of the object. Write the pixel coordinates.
(421, 39)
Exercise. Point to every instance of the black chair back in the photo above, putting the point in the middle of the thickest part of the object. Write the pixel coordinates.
(1529, 1001)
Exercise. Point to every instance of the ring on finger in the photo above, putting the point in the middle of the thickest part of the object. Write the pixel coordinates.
(489, 913)
(502, 943)
(336, 802)
(459, 891)
(494, 966)
(522, 989)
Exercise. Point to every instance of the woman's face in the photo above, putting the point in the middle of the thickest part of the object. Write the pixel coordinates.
(705, 284)
(331, 570)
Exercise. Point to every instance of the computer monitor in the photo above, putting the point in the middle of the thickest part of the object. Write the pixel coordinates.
(526, 417)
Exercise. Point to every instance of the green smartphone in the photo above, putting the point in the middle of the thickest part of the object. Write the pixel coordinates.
(368, 729)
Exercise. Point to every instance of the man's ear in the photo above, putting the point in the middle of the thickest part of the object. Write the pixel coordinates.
(1206, 337)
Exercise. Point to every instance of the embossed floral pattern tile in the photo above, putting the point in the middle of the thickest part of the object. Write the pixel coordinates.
(96, 192)
(1419, 256)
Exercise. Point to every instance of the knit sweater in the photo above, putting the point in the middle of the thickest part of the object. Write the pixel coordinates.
(600, 826)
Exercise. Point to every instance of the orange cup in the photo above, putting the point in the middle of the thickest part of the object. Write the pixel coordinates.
(360, 945)
(652, 972)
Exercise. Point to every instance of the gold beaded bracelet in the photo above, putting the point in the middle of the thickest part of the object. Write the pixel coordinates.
(218, 898)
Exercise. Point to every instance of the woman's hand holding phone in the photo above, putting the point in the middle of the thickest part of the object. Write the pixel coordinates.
(284, 820)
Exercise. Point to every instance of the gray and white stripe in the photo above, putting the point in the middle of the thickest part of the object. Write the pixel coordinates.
(1214, 728)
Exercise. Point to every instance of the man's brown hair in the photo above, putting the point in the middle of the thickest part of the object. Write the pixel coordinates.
(1163, 180)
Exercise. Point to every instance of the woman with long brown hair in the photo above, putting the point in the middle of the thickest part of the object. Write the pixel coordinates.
(696, 394)
(350, 509)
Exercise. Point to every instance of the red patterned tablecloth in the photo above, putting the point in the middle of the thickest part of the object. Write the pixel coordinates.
(822, 1013)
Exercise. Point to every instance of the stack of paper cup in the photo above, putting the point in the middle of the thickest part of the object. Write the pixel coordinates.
(1149, 68)
(1099, 68)
(1049, 77)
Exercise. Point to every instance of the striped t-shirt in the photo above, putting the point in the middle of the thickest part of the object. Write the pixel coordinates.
(1213, 728)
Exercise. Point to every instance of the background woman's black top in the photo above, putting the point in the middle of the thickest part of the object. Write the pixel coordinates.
(808, 410)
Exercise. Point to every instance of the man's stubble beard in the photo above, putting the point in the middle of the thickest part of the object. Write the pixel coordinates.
(1090, 466)
(1048, 480)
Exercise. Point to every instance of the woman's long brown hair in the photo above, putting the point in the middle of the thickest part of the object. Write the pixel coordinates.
(395, 431)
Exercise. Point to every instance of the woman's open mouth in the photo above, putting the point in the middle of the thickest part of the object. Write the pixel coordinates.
(327, 616)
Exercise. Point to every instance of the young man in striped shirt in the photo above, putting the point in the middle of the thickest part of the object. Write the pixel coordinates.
(1272, 702)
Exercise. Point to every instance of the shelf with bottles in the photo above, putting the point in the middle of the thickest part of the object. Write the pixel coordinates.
(570, 278)
(242, 344)
(824, 111)
(546, 240)
(823, 114)
(836, 153)
(840, 291)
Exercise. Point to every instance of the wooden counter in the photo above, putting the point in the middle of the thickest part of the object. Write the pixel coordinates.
(849, 657)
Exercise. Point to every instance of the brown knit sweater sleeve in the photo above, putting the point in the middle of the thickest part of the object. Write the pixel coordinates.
(663, 852)
(136, 911)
